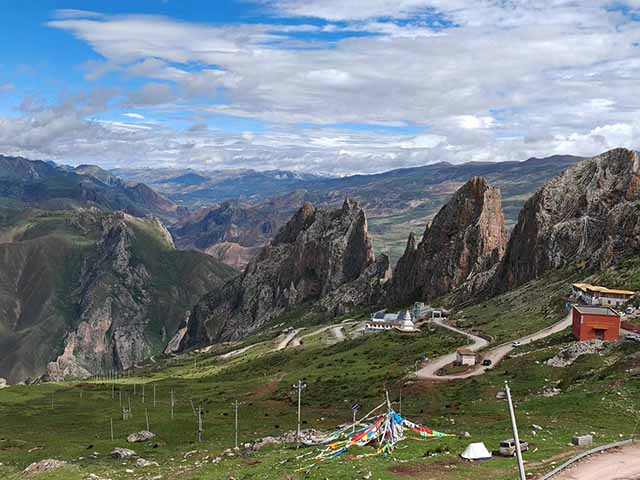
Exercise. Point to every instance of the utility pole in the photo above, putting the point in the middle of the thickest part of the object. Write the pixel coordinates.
(354, 409)
(111, 422)
(172, 404)
(143, 393)
(299, 387)
(236, 405)
(516, 438)
(154, 395)
(200, 430)
(146, 416)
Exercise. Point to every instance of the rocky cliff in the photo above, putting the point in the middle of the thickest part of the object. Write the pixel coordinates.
(588, 215)
(85, 291)
(318, 255)
(465, 241)
(132, 294)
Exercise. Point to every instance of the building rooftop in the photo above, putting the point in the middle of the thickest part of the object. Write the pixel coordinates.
(595, 288)
(465, 351)
(585, 309)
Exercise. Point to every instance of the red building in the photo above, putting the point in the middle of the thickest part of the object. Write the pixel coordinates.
(590, 323)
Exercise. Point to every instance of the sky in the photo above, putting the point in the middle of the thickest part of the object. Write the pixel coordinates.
(324, 86)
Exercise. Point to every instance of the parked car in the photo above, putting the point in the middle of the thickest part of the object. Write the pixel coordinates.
(516, 344)
(508, 447)
(486, 362)
(634, 337)
(629, 310)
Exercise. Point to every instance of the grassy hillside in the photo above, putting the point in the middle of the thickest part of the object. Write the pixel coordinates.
(598, 393)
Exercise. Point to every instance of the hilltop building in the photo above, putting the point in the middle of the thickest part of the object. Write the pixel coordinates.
(597, 295)
(595, 322)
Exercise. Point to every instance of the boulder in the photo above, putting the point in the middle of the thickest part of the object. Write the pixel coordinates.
(3, 383)
(123, 453)
(43, 466)
(141, 436)
(141, 463)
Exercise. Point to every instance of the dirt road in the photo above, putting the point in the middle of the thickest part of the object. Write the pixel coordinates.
(496, 354)
(428, 371)
(338, 332)
(621, 464)
(284, 342)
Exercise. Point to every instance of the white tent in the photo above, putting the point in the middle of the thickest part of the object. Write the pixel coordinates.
(476, 451)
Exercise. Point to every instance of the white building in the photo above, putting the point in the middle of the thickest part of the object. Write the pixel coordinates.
(464, 356)
(382, 321)
(596, 295)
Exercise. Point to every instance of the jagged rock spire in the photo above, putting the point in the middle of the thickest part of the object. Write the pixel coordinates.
(467, 237)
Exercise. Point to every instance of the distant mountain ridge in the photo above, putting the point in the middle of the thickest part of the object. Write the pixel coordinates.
(397, 202)
(48, 185)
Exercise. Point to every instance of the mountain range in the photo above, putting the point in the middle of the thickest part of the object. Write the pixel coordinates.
(397, 202)
(92, 279)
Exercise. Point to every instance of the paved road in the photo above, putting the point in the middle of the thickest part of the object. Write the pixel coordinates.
(496, 354)
(620, 464)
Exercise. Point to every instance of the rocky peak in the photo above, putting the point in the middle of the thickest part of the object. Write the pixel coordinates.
(300, 221)
(588, 214)
(315, 254)
(466, 238)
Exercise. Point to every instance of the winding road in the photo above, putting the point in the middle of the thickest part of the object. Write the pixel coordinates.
(430, 369)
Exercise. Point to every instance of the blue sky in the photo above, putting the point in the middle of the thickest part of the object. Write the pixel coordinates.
(329, 86)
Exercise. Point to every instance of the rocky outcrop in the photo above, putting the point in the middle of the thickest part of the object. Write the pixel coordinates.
(319, 255)
(465, 241)
(589, 215)
(114, 300)
(120, 290)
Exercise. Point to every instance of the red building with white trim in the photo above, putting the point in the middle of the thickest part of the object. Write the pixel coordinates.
(591, 323)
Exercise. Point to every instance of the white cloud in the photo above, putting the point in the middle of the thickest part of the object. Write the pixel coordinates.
(137, 116)
(473, 122)
(511, 80)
